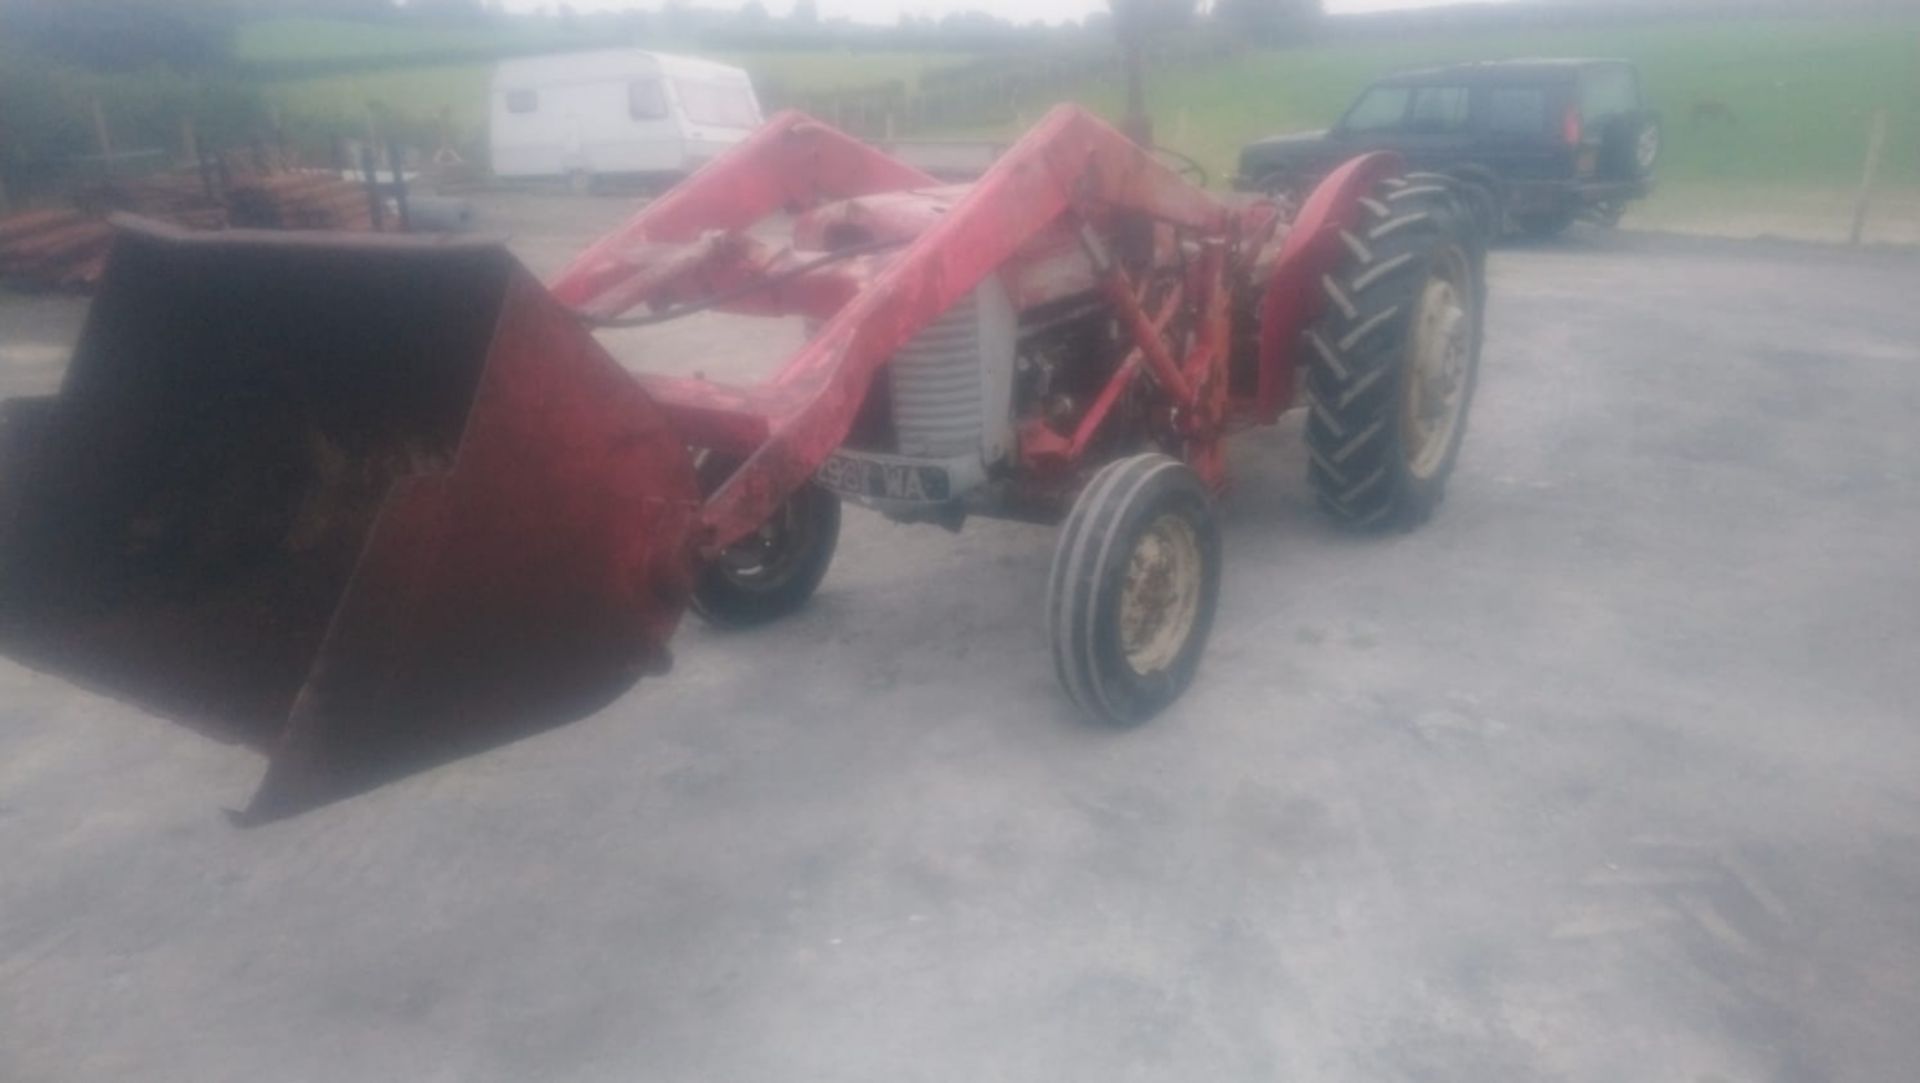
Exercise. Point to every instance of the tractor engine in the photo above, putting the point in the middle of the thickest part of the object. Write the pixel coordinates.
(937, 433)
(939, 419)
(937, 436)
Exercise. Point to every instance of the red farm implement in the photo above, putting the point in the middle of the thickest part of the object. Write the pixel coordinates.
(371, 502)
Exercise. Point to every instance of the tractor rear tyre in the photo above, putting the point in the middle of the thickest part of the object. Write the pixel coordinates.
(1479, 194)
(1393, 360)
(1136, 576)
(773, 571)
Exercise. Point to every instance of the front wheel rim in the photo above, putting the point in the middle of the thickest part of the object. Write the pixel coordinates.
(1160, 596)
(766, 559)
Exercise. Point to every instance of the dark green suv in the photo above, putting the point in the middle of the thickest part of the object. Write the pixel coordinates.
(1540, 142)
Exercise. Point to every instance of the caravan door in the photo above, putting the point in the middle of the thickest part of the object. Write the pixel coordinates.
(649, 137)
(716, 108)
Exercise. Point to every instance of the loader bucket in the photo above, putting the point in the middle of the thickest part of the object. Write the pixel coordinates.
(367, 503)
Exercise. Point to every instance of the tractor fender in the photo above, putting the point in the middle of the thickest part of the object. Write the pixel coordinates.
(1292, 298)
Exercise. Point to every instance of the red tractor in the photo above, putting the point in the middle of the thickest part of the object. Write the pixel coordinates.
(370, 502)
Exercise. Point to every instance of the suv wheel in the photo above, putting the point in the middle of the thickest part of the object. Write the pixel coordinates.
(1630, 147)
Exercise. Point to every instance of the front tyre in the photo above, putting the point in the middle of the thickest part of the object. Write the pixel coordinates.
(1393, 361)
(1136, 577)
(773, 571)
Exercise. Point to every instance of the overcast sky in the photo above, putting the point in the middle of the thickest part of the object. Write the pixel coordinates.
(887, 11)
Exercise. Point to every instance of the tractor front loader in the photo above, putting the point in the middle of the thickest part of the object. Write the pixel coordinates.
(372, 502)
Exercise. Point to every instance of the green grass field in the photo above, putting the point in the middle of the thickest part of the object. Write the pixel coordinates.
(279, 41)
(1800, 90)
(413, 93)
(421, 93)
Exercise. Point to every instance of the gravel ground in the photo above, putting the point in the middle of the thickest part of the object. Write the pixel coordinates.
(1610, 773)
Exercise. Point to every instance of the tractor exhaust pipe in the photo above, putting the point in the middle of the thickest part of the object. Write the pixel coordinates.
(365, 503)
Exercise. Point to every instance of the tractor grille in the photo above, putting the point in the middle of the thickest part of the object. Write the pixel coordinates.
(937, 385)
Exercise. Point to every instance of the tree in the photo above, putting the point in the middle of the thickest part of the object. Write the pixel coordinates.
(973, 22)
(674, 20)
(1267, 20)
(1153, 16)
(753, 14)
(449, 10)
(635, 24)
(806, 12)
(123, 35)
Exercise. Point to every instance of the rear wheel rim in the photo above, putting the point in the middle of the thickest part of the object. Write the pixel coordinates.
(1160, 597)
(1441, 346)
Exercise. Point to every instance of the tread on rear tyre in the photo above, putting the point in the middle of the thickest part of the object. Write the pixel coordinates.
(1393, 360)
(1478, 195)
(1136, 577)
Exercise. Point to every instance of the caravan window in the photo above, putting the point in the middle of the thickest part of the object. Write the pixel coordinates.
(723, 105)
(645, 100)
(522, 101)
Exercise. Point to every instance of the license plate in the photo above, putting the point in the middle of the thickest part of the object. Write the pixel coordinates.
(850, 476)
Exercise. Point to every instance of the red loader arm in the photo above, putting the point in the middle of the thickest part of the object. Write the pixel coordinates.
(793, 162)
(1070, 162)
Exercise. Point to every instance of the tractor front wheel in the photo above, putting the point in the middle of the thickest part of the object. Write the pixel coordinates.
(1393, 361)
(1136, 575)
(773, 571)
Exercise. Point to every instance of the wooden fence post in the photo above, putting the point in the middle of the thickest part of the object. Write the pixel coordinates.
(189, 139)
(101, 139)
(279, 134)
(1876, 140)
(6, 204)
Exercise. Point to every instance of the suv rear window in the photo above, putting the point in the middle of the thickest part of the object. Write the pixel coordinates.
(1608, 92)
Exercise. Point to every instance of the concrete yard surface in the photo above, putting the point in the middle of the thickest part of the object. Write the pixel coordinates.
(1610, 773)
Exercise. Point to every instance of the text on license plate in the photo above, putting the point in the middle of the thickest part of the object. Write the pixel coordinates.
(849, 476)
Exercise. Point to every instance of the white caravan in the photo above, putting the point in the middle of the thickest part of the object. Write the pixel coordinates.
(621, 111)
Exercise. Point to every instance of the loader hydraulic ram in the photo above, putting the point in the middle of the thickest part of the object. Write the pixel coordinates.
(369, 503)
